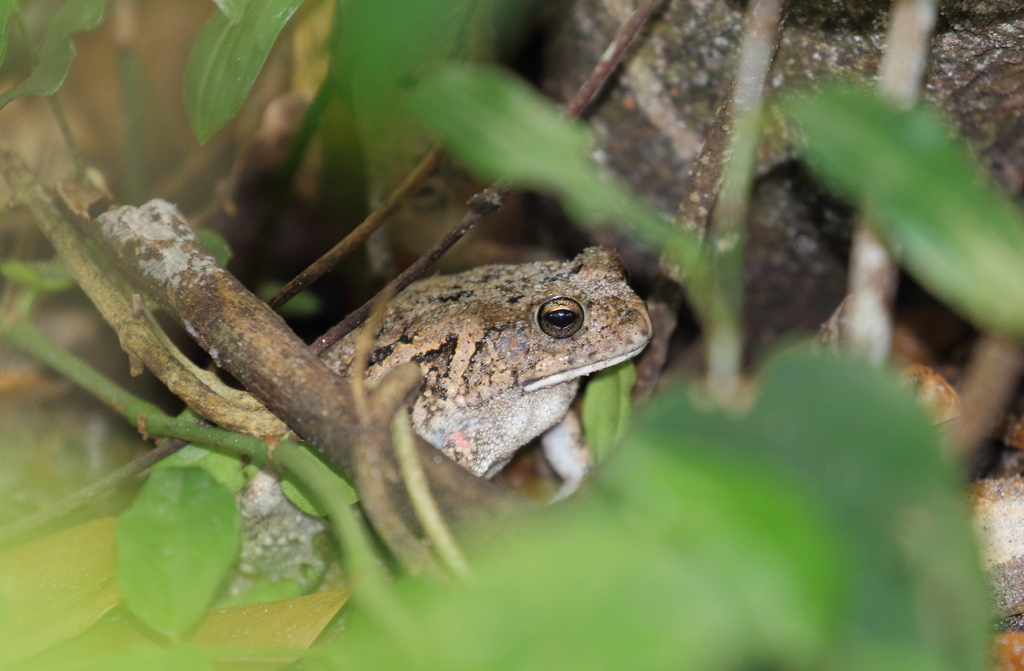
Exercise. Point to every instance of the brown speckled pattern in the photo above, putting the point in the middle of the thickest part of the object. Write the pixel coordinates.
(476, 340)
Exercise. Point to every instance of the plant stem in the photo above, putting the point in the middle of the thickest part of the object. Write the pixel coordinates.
(873, 274)
(728, 236)
(422, 501)
(152, 421)
(369, 588)
(480, 205)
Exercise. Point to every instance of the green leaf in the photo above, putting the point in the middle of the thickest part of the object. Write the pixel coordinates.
(862, 450)
(233, 9)
(214, 243)
(387, 47)
(55, 587)
(227, 468)
(7, 8)
(157, 658)
(746, 573)
(38, 275)
(606, 407)
(225, 59)
(819, 530)
(502, 128)
(57, 51)
(300, 496)
(303, 304)
(957, 234)
(174, 545)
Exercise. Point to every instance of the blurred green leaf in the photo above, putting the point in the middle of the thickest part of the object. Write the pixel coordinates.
(225, 59)
(579, 588)
(241, 634)
(56, 587)
(233, 9)
(7, 8)
(606, 407)
(57, 51)
(228, 469)
(214, 243)
(388, 47)
(157, 658)
(174, 545)
(303, 304)
(862, 449)
(502, 128)
(300, 496)
(38, 275)
(820, 530)
(957, 234)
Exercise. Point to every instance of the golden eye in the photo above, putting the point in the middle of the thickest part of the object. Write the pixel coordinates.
(560, 317)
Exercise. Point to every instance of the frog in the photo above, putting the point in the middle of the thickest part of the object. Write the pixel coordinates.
(502, 349)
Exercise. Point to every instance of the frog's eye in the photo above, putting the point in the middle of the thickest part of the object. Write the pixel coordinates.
(560, 317)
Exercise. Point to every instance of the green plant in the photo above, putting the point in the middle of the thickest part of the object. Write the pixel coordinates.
(819, 528)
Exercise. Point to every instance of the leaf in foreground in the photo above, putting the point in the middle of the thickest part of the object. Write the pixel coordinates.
(55, 588)
(225, 59)
(821, 530)
(607, 408)
(241, 634)
(156, 658)
(502, 128)
(957, 234)
(7, 8)
(174, 546)
(57, 51)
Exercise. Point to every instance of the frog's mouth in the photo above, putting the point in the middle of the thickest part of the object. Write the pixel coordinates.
(573, 373)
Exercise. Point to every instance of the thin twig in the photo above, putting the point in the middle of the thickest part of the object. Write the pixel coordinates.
(360, 233)
(994, 368)
(610, 59)
(423, 501)
(873, 274)
(69, 138)
(482, 204)
(360, 358)
(724, 337)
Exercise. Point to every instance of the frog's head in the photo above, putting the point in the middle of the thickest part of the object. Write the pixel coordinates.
(585, 317)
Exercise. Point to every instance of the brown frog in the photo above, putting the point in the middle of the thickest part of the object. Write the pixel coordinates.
(502, 349)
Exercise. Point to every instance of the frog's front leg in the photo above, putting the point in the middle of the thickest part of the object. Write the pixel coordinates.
(568, 454)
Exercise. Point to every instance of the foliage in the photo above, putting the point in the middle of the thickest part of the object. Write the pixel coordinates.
(714, 542)
(501, 127)
(226, 57)
(818, 529)
(960, 236)
(607, 407)
(173, 547)
(57, 51)
(38, 275)
(7, 8)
